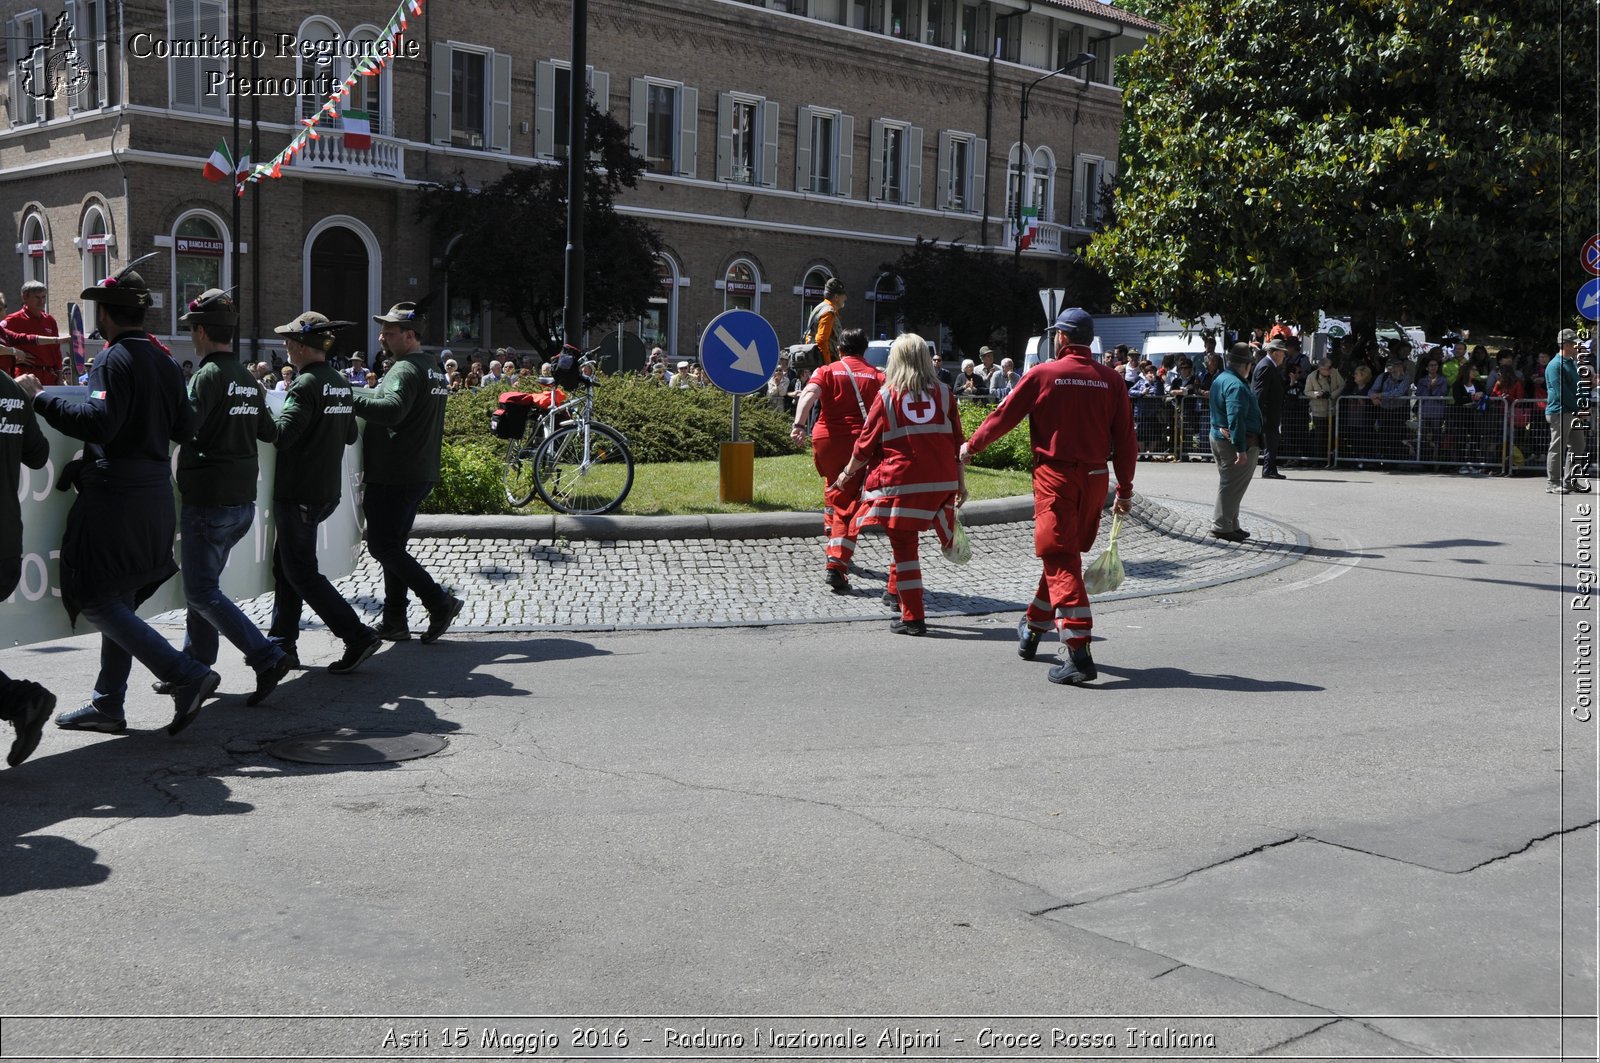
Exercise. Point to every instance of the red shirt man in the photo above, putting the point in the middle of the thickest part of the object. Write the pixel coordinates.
(43, 360)
(1078, 412)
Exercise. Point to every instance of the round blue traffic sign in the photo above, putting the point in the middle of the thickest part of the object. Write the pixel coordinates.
(739, 351)
(1589, 300)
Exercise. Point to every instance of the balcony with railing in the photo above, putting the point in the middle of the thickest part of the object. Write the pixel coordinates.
(385, 158)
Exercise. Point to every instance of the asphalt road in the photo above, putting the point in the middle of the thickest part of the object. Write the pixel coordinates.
(1341, 809)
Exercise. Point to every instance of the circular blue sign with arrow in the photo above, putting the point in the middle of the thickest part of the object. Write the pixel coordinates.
(739, 351)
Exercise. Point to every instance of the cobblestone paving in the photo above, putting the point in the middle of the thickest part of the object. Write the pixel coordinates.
(517, 584)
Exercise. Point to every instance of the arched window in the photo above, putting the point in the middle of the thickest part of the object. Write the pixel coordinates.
(315, 29)
(812, 291)
(1043, 194)
(199, 259)
(464, 316)
(885, 296)
(35, 249)
(657, 328)
(371, 91)
(95, 246)
(1016, 187)
(741, 286)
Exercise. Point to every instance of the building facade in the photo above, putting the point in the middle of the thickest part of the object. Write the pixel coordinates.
(787, 142)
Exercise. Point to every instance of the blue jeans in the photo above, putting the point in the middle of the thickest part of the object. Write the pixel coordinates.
(391, 510)
(123, 636)
(209, 533)
(297, 579)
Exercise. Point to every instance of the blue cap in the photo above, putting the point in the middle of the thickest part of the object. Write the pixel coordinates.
(1077, 324)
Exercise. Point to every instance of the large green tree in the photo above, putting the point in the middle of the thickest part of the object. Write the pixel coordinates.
(513, 233)
(1421, 158)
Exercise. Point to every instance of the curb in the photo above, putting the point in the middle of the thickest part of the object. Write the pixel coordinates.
(694, 526)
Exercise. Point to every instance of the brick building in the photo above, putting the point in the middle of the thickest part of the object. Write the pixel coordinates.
(785, 146)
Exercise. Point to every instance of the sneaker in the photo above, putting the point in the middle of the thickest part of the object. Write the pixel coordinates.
(1558, 489)
(1027, 640)
(909, 627)
(1238, 535)
(356, 650)
(890, 601)
(393, 630)
(32, 705)
(189, 697)
(90, 718)
(439, 620)
(1078, 667)
(838, 581)
(268, 678)
(161, 686)
(292, 655)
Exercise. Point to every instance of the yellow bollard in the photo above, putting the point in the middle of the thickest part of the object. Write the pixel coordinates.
(738, 471)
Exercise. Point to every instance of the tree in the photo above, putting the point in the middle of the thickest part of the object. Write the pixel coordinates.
(975, 294)
(1379, 157)
(511, 250)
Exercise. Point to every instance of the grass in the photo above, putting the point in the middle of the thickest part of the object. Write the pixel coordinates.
(788, 483)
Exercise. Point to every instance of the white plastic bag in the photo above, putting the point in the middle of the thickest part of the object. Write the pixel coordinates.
(959, 552)
(1106, 573)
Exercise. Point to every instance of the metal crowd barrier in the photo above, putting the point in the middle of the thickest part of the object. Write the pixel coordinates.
(1193, 428)
(1423, 432)
(1530, 436)
(1301, 439)
(1154, 423)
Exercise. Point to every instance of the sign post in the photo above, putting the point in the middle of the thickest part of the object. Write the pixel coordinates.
(738, 352)
(1051, 299)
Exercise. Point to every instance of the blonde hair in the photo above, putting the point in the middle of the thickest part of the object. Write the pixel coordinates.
(910, 367)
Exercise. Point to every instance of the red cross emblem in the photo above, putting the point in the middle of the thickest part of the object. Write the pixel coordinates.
(918, 408)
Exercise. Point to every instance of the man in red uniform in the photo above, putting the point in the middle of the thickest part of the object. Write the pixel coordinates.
(34, 333)
(842, 392)
(1077, 410)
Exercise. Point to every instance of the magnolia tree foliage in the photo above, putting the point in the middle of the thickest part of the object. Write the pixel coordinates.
(507, 240)
(1428, 159)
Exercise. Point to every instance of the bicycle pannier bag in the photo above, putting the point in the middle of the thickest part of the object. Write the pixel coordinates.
(510, 419)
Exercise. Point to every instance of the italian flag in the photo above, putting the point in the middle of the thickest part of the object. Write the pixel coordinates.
(220, 165)
(357, 131)
(1027, 225)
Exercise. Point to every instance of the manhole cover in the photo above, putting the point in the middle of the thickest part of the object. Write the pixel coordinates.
(357, 747)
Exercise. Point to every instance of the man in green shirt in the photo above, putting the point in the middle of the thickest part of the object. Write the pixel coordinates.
(315, 425)
(24, 705)
(1236, 435)
(217, 473)
(1568, 457)
(405, 428)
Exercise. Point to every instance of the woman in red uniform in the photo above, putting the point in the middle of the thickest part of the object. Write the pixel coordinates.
(842, 392)
(912, 432)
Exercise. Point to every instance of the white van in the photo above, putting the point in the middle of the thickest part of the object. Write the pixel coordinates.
(1034, 357)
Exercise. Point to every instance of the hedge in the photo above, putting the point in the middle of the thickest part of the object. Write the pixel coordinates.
(660, 423)
(1013, 450)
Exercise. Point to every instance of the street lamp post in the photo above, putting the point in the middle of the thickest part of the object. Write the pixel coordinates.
(1082, 59)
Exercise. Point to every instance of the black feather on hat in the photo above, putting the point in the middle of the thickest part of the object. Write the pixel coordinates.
(213, 307)
(124, 288)
(310, 324)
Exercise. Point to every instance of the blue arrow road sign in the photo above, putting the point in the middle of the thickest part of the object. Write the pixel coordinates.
(739, 351)
(1589, 300)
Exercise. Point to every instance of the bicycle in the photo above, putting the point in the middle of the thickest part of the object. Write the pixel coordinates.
(574, 463)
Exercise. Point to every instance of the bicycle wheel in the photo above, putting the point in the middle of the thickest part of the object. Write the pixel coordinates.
(518, 473)
(583, 469)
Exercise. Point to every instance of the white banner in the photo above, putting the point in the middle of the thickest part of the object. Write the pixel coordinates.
(34, 612)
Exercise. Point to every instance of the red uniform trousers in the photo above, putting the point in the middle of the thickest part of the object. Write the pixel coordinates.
(1067, 500)
(831, 455)
(905, 572)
